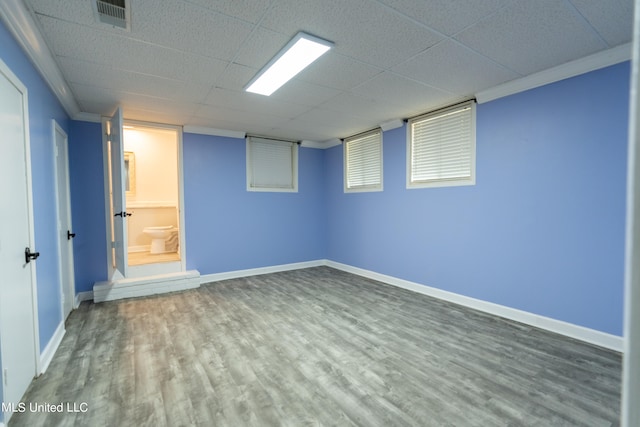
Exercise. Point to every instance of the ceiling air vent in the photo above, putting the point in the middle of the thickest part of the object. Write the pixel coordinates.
(113, 12)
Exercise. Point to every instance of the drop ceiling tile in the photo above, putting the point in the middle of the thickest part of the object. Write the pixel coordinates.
(300, 92)
(531, 36)
(401, 94)
(454, 68)
(612, 19)
(339, 72)
(362, 107)
(247, 10)
(79, 11)
(87, 94)
(249, 119)
(352, 26)
(86, 73)
(245, 101)
(260, 47)
(235, 77)
(119, 51)
(188, 27)
(446, 16)
(328, 124)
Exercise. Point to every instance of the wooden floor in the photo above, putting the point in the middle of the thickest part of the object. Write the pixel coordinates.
(317, 347)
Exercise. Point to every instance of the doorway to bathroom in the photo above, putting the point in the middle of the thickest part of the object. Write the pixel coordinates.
(145, 189)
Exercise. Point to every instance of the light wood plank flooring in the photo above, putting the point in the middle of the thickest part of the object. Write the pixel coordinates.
(318, 347)
(141, 258)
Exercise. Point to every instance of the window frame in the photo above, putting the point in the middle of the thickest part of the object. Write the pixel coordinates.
(443, 182)
(250, 160)
(345, 156)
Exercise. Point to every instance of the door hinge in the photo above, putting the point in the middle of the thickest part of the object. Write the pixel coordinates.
(5, 381)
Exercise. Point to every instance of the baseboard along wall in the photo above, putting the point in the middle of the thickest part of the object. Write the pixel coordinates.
(581, 333)
(50, 350)
(591, 336)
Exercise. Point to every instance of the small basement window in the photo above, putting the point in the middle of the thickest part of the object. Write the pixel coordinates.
(363, 162)
(441, 147)
(272, 165)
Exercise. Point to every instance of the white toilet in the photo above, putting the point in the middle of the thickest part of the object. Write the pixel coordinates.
(159, 236)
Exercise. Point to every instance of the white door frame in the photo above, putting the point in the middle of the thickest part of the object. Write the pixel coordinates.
(105, 156)
(13, 79)
(65, 259)
(630, 410)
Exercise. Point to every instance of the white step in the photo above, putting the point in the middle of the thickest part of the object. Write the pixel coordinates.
(144, 286)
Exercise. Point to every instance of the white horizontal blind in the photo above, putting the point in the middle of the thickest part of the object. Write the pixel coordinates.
(443, 146)
(363, 161)
(271, 165)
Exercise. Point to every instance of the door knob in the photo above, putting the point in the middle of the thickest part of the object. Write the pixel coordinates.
(28, 255)
(70, 235)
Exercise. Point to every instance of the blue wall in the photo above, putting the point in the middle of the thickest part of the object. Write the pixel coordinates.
(86, 175)
(229, 228)
(43, 107)
(543, 228)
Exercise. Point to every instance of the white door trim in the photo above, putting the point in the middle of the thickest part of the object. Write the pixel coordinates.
(4, 69)
(107, 197)
(112, 272)
(181, 223)
(69, 292)
(630, 412)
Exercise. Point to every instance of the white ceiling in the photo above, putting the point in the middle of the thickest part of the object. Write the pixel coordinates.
(186, 62)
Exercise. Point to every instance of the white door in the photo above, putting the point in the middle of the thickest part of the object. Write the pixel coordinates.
(18, 331)
(118, 195)
(65, 233)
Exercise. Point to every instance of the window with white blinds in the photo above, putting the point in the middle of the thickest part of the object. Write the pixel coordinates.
(442, 148)
(272, 165)
(363, 162)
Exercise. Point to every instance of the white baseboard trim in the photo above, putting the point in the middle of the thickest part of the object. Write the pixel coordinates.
(83, 296)
(145, 286)
(581, 333)
(50, 350)
(216, 277)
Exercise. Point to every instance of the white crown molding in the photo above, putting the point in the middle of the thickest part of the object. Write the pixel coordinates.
(313, 144)
(391, 124)
(584, 65)
(332, 143)
(18, 20)
(88, 117)
(202, 130)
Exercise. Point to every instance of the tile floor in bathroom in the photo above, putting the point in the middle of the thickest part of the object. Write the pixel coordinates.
(140, 258)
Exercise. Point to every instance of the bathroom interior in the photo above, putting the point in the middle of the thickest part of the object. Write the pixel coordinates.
(152, 194)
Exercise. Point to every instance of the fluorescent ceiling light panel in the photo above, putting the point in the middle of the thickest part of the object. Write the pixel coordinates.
(301, 51)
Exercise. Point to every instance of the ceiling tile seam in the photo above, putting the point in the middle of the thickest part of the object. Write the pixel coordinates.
(410, 18)
(236, 110)
(493, 61)
(506, 5)
(123, 35)
(153, 97)
(256, 26)
(451, 37)
(586, 22)
(64, 57)
(200, 6)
